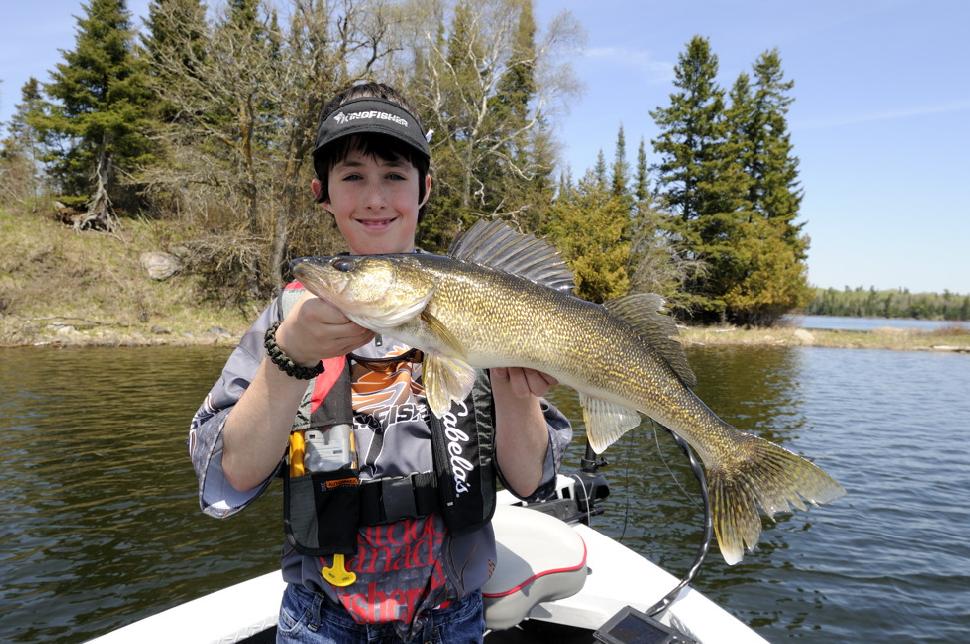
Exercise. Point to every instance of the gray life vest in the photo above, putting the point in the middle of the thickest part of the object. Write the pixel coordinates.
(324, 510)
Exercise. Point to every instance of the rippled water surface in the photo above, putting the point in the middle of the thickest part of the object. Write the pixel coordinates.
(99, 523)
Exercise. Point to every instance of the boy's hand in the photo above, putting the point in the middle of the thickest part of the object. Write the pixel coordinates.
(315, 329)
(522, 382)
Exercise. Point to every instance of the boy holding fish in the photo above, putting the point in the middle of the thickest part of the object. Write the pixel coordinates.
(395, 541)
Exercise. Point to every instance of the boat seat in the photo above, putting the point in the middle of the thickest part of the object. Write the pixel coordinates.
(539, 559)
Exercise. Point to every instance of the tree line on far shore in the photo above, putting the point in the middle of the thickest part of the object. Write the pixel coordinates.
(208, 118)
(891, 303)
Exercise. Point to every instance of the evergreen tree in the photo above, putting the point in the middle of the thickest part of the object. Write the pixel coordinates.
(599, 170)
(175, 46)
(758, 134)
(98, 124)
(775, 190)
(772, 279)
(590, 228)
(621, 168)
(20, 151)
(700, 179)
(510, 106)
(642, 189)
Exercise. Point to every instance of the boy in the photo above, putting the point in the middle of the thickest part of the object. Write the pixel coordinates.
(409, 576)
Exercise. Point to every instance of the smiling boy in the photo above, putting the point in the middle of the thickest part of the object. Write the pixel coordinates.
(417, 572)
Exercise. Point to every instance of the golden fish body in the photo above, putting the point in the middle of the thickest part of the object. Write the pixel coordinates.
(619, 357)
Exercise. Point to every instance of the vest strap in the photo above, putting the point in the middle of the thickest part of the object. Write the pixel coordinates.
(391, 499)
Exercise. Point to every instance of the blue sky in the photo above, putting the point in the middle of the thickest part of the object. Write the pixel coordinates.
(881, 119)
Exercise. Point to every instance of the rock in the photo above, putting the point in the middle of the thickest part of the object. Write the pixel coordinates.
(218, 331)
(179, 250)
(804, 337)
(160, 330)
(66, 331)
(160, 266)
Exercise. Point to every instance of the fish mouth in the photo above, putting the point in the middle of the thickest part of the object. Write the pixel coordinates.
(321, 276)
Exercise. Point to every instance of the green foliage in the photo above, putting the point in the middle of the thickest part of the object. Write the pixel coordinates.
(728, 180)
(174, 45)
(700, 179)
(642, 188)
(621, 168)
(477, 87)
(771, 279)
(758, 123)
(599, 170)
(891, 303)
(97, 125)
(590, 227)
(21, 151)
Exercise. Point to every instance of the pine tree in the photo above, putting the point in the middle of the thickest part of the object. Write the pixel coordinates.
(701, 182)
(599, 170)
(98, 124)
(758, 134)
(621, 168)
(642, 190)
(775, 190)
(590, 228)
(174, 45)
(20, 151)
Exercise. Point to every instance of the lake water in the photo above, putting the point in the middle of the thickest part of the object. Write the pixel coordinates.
(868, 324)
(99, 523)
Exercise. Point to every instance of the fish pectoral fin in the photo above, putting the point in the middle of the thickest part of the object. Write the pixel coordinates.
(446, 380)
(441, 332)
(606, 421)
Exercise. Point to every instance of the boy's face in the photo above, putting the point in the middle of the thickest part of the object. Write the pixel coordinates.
(374, 203)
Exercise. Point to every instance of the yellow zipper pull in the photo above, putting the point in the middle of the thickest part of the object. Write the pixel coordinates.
(337, 574)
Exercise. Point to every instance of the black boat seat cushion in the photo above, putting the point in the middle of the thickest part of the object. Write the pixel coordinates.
(539, 558)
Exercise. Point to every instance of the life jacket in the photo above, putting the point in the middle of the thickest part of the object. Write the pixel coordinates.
(324, 510)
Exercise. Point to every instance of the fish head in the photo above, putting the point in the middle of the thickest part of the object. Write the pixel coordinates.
(378, 292)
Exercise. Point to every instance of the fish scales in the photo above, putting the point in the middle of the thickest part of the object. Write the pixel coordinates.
(464, 314)
(502, 320)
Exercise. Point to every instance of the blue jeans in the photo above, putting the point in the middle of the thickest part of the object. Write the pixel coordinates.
(310, 618)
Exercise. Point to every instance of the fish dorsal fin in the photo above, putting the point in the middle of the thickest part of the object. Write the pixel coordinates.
(644, 311)
(493, 243)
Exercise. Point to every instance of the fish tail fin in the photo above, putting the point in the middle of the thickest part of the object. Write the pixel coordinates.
(770, 478)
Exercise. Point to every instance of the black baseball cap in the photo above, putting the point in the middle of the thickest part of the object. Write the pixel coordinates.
(373, 116)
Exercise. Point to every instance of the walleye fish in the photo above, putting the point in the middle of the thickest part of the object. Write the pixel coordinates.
(502, 299)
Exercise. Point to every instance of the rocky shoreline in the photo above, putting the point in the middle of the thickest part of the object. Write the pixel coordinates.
(71, 331)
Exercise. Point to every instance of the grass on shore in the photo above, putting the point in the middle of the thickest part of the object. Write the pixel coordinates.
(948, 338)
(58, 286)
(66, 288)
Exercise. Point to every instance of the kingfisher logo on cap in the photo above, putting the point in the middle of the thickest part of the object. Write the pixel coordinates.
(372, 116)
(369, 114)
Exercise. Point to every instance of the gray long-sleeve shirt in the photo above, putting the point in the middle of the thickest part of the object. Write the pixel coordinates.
(402, 568)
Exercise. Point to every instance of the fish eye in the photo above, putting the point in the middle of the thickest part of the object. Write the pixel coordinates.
(343, 264)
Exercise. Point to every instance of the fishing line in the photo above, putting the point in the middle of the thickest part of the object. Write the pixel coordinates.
(656, 440)
(665, 602)
(626, 512)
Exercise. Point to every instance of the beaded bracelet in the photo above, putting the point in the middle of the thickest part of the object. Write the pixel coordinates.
(285, 362)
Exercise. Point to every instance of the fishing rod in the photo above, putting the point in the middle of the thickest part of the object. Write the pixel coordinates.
(590, 465)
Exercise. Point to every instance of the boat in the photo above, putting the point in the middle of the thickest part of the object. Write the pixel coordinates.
(556, 579)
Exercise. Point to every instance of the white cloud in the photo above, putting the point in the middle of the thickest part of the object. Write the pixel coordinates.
(657, 71)
(884, 115)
